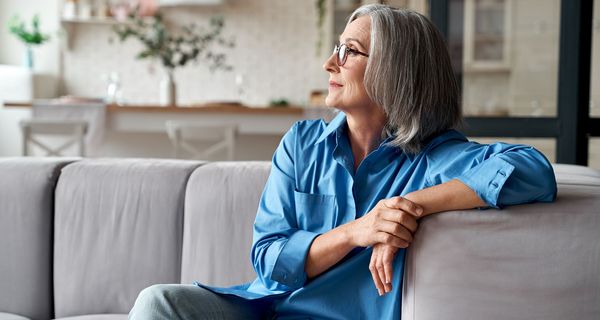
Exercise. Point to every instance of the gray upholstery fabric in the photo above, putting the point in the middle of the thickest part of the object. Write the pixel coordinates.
(538, 261)
(10, 316)
(220, 207)
(118, 229)
(26, 200)
(98, 317)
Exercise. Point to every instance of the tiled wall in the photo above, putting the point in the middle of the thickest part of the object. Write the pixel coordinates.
(275, 51)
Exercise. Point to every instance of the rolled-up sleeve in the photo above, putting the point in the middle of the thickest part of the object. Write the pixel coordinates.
(501, 174)
(279, 247)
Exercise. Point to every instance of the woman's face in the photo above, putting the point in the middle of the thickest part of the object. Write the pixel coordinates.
(346, 86)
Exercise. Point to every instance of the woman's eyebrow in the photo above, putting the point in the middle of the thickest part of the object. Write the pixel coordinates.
(355, 40)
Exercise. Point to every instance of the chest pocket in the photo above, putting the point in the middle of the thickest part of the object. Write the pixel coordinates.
(315, 212)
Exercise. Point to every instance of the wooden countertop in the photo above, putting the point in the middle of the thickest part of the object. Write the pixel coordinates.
(234, 108)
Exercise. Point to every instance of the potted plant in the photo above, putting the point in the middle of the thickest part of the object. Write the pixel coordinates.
(30, 38)
(175, 48)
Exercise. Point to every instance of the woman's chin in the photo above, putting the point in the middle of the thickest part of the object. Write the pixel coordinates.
(331, 101)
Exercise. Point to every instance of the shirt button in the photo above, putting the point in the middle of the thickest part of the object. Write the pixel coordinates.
(495, 185)
(502, 173)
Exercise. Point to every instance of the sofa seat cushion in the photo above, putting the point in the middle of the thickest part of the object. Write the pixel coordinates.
(97, 317)
(11, 316)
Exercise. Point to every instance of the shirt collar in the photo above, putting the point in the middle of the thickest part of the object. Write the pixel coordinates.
(333, 126)
(337, 124)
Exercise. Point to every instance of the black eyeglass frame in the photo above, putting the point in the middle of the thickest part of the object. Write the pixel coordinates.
(343, 50)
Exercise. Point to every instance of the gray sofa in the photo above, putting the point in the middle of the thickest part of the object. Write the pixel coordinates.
(80, 238)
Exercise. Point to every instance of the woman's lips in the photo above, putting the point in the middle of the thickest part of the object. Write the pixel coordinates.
(333, 84)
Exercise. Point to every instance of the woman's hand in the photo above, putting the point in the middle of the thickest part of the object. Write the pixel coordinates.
(392, 221)
(380, 266)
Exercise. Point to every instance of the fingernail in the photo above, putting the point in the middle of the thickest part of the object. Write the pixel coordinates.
(419, 210)
(380, 292)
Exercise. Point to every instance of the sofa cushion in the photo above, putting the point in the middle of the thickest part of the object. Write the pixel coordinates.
(118, 229)
(26, 202)
(220, 206)
(97, 317)
(579, 175)
(11, 316)
(536, 261)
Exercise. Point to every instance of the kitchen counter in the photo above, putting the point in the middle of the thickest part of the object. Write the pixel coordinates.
(202, 108)
(250, 120)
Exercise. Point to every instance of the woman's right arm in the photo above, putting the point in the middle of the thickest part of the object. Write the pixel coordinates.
(392, 221)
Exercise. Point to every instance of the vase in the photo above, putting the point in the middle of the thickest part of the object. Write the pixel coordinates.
(28, 57)
(167, 92)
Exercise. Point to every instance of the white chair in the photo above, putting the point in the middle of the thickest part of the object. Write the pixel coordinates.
(201, 141)
(73, 132)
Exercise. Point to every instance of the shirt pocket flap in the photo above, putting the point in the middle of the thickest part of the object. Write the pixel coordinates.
(315, 212)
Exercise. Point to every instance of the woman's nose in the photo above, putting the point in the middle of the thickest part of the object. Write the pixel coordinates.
(330, 64)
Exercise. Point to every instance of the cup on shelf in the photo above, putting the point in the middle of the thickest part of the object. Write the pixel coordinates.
(69, 9)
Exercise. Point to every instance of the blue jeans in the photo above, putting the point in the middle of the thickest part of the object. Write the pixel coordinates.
(183, 302)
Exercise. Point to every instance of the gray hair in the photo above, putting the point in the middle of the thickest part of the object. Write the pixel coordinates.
(409, 74)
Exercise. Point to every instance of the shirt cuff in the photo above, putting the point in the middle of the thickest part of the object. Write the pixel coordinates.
(289, 267)
(488, 178)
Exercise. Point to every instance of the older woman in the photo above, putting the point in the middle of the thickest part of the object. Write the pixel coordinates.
(343, 198)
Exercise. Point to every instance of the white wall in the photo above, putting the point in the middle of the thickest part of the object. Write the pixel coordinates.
(275, 51)
(11, 49)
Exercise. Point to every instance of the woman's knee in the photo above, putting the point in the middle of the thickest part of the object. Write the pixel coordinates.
(155, 296)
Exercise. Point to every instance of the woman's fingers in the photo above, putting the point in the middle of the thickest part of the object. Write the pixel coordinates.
(382, 259)
(386, 238)
(396, 230)
(375, 272)
(387, 259)
(381, 269)
(398, 216)
(403, 204)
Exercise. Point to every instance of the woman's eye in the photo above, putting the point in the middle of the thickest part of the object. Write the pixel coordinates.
(351, 52)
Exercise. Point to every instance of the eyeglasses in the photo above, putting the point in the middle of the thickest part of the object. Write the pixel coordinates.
(342, 53)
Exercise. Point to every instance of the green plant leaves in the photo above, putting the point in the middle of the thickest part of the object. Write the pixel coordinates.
(177, 48)
(33, 37)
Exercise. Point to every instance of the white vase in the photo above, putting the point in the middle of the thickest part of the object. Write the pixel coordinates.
(168, 92)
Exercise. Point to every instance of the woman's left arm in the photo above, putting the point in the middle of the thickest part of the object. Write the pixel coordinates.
(477, 176)
(452, 195)
(500, 174)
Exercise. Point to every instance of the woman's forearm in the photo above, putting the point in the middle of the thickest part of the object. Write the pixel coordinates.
(452, 195)
(326, 250)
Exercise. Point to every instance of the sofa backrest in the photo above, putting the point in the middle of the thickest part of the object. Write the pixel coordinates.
(26, 201)
(118, 229)
(537, 261)
(220, 206)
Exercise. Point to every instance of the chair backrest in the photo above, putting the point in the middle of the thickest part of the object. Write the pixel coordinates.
(220, 207)
(34, 130)
(200, 141)
(118, 229)
(93, 112)
(535, 261)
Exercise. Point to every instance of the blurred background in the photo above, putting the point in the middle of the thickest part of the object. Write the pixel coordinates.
(240, 72)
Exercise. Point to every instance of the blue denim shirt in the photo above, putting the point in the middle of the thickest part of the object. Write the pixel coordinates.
(313, 188)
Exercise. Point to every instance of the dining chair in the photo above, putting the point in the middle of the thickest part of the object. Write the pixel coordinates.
(193, 140)
(71, 132)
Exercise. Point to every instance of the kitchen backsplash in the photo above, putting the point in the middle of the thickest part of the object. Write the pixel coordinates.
(275, 52)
